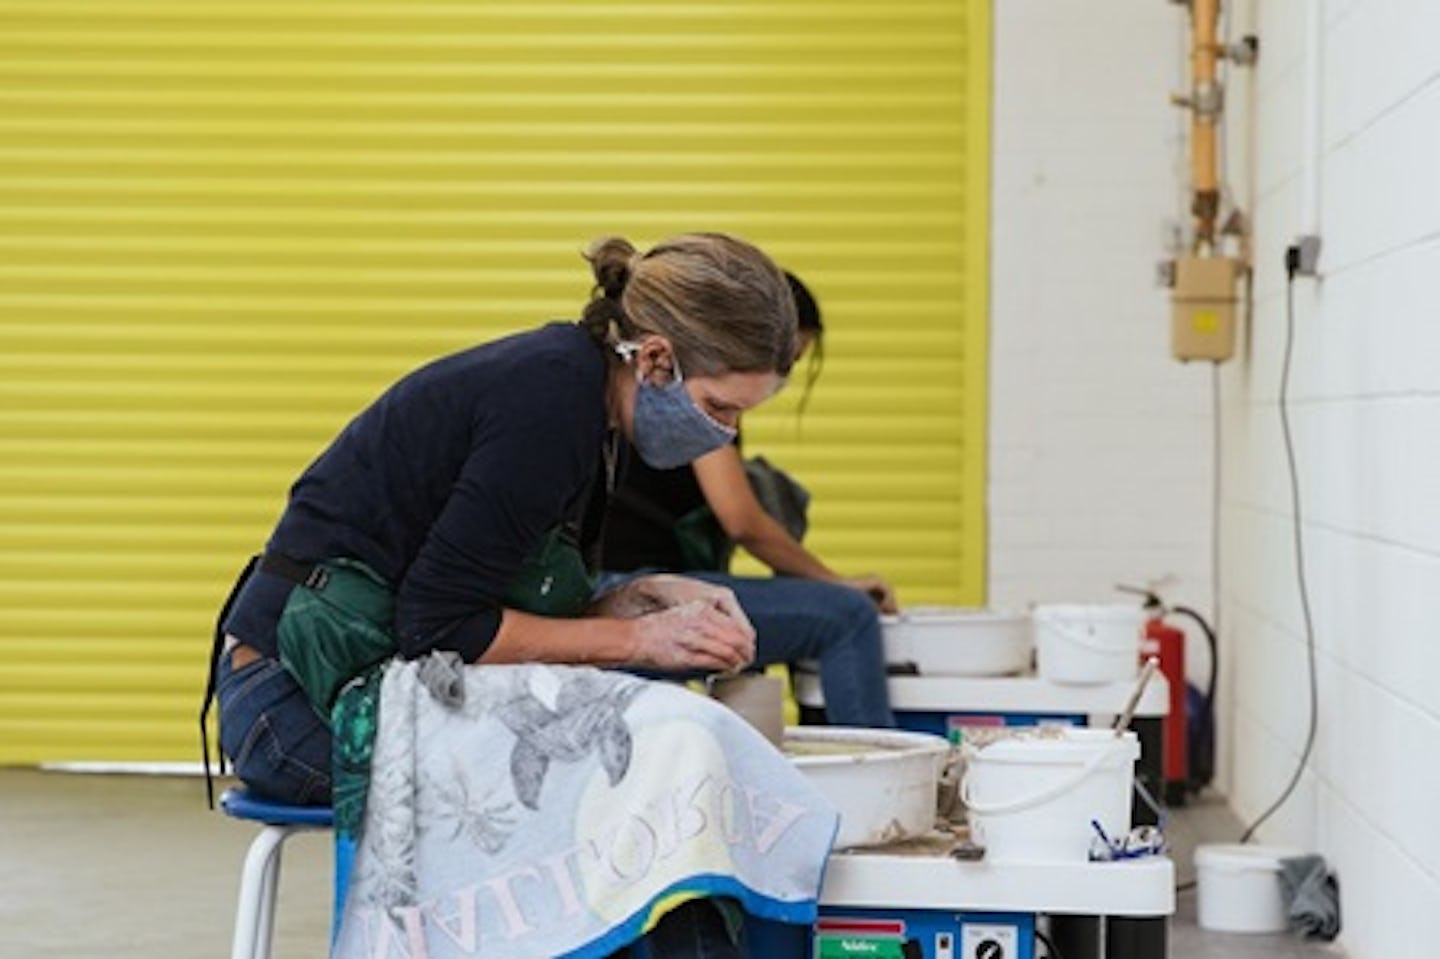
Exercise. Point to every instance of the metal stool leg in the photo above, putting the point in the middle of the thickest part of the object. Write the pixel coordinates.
(267, 895)
(257, 895)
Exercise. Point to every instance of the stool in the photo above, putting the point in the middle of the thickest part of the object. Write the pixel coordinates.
(255, 912)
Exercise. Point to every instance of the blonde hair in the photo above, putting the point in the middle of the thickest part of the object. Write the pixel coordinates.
(721, 302)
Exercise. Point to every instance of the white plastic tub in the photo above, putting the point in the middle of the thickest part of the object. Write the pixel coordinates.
(1239, 888)
(1033, 799)
(951, 641)
(1084, 645)
(882, 782)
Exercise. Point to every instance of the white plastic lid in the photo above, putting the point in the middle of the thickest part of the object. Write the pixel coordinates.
(1234, 857)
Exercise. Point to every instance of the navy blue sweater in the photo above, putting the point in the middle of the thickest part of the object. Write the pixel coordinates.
(445, 483)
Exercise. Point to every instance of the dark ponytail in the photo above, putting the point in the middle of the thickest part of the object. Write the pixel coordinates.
(604, 318)
(807, 313)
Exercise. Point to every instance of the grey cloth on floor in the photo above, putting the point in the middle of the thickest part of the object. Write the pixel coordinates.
(1312, 896)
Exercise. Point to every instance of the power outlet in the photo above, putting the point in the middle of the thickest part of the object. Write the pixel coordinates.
(1308, 262)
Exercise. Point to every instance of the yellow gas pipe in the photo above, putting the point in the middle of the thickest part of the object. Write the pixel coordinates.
(1205, 106)
(1204, 290)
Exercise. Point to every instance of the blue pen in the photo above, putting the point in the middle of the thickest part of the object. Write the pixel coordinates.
(1103, 838)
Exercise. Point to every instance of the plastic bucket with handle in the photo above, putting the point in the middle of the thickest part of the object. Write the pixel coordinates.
(1087, 644)
(1240, 888)
(1034, 798)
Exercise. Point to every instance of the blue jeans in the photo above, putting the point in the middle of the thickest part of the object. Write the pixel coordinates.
(279, 745)
(806, 619)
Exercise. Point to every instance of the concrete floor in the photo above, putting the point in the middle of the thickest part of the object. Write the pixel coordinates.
(125, 867)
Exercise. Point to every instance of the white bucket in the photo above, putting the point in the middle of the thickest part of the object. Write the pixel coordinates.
(1033, 799)
(1088, 644)
(883, 782)
(1240, 888)
(952, 641)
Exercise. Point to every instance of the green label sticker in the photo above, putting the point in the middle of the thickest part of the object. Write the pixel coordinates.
(834, 946)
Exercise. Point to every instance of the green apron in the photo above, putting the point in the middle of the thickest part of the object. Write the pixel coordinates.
(328, 636)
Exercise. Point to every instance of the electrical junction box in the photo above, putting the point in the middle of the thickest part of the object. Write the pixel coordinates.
(1203, 307)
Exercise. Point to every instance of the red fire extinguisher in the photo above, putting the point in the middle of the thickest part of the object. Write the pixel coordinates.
(1168, 643)
(1182, 772)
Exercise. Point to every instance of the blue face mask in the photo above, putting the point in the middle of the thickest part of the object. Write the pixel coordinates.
(670, 430)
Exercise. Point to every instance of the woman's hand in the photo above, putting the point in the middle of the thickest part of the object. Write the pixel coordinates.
(682, 624)
(695, 635)
(649, 594)
(879, 591)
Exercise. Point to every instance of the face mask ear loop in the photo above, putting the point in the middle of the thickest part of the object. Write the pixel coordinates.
(629, 349)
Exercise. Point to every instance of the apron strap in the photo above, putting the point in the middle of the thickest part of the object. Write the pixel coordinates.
(216, 649)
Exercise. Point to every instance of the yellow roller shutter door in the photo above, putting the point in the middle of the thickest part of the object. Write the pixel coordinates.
(225, 225)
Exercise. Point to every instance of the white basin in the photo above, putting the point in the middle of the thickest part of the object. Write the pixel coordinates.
(953, 641)
(883, 782)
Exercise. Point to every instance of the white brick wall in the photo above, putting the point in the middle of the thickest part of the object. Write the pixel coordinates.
(1366, 410)
(1100, 443)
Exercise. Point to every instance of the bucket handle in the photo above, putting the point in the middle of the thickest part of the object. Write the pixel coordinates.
(1080, 639)
(1050, 792)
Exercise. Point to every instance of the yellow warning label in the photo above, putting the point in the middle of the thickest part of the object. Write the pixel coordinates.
(1205, 321)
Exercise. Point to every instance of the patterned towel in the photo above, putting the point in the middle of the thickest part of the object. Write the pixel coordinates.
(547, 811)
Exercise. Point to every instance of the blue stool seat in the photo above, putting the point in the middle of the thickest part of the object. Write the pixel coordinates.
(260, 877)
(241, 805)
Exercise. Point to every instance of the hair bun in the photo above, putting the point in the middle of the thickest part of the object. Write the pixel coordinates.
(610, 259)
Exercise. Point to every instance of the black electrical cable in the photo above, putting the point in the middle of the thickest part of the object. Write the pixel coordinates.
(1049, 946)
(1217, 500)
(1292, 264)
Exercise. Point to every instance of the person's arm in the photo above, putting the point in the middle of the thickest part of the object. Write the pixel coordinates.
(692, 636)
(534, 444)
(722, 480)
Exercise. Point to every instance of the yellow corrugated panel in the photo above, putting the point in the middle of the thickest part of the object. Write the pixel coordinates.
(225, 225)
